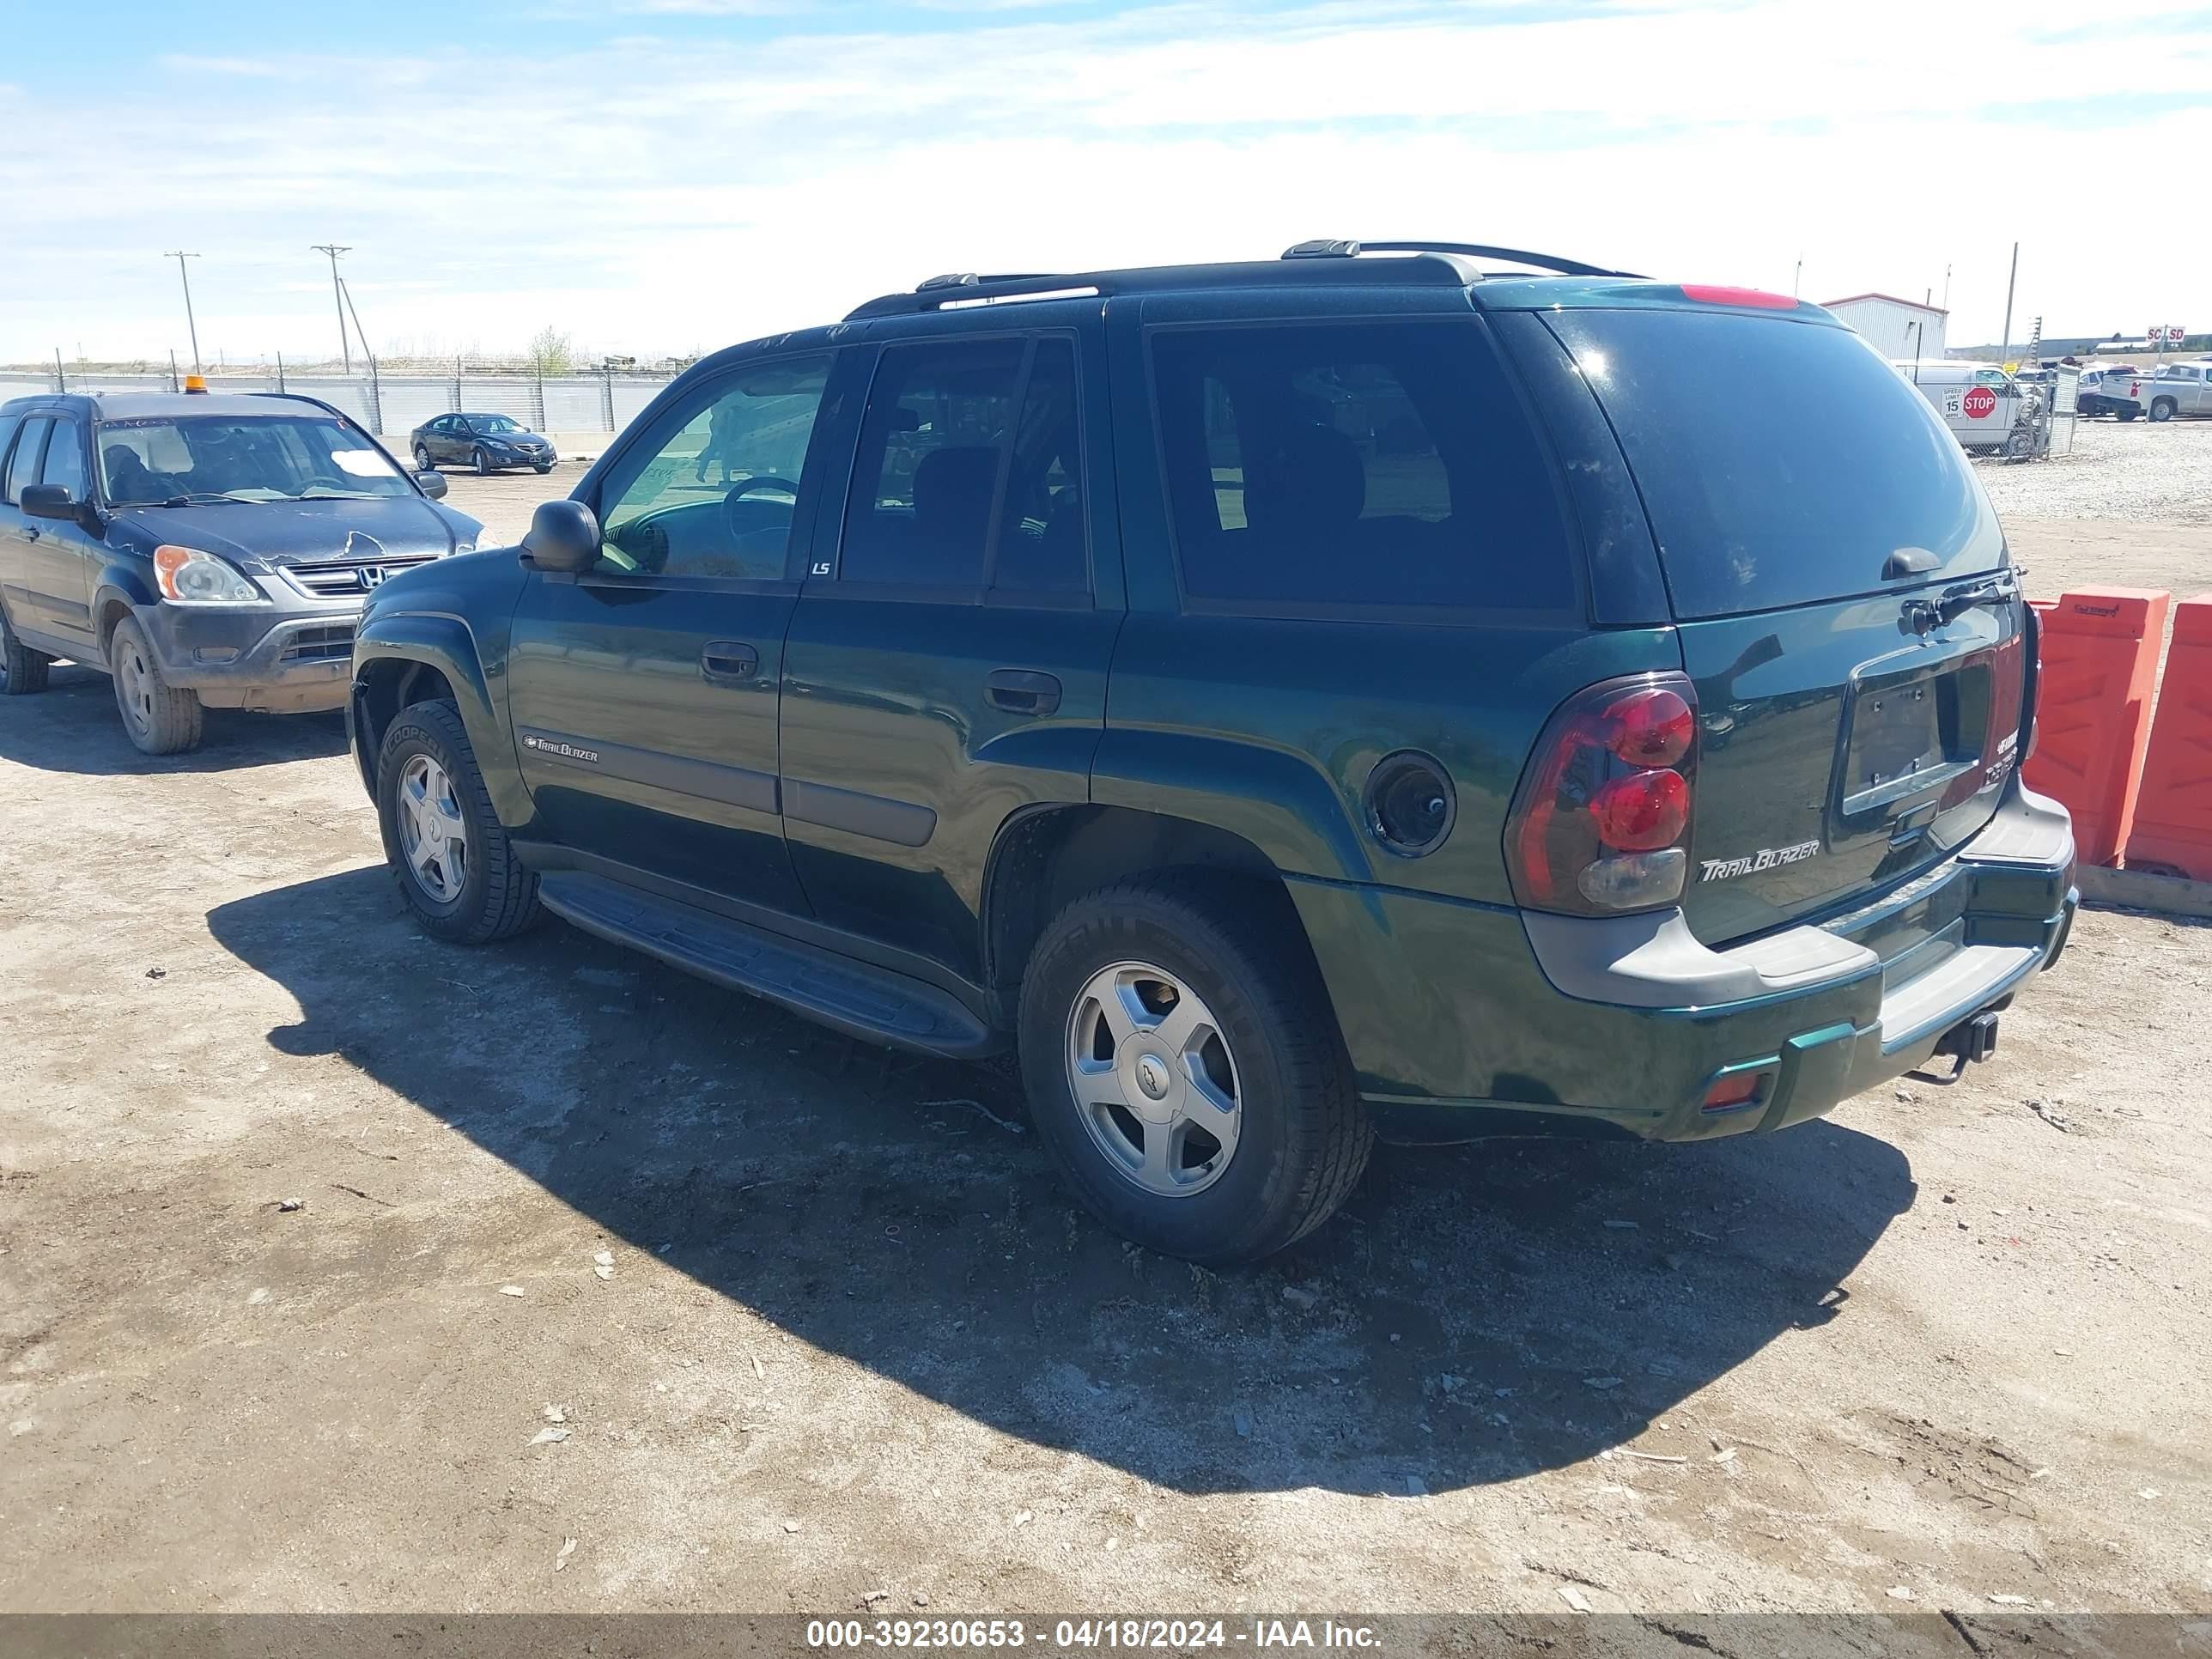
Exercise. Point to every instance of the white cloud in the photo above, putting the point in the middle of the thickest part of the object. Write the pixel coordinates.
(661, 193)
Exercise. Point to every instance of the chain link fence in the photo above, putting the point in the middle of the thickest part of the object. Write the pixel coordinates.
(393, 402)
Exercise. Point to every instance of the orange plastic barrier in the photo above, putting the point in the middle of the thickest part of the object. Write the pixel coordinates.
(2172, 826)
(2100, 657)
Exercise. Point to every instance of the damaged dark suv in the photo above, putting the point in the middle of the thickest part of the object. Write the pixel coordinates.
(204, 550)
(1369, 692)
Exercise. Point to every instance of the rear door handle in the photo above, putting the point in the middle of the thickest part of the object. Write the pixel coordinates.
(728, 662)
(1022, 691)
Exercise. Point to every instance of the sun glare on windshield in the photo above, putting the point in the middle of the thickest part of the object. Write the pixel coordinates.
(194, 458)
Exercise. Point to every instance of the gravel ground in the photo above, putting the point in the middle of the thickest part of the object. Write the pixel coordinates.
(605, 1288)
(2135, 473)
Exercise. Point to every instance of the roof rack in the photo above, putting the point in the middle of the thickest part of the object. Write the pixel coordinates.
(1324, 248)
(963, 288)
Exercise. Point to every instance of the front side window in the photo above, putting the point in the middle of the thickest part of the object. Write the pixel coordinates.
(1337, 466)
(255, 458)
(23, 466)
(65, 459)
(717, 496)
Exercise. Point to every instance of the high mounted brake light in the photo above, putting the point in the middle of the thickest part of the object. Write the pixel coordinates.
(1602, 822)
(1757, 299)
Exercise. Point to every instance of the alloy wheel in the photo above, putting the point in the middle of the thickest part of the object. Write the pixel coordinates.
(1153, 1079)
(433, 833)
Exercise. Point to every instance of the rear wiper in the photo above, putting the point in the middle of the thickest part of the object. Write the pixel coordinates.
(1925, 616)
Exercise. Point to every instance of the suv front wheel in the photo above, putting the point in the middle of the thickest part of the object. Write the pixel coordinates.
(455, 865)
(159, 718)
(1184, 1063)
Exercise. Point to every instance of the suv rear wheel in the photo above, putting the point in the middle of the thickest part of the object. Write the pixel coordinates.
(159, 719)
(22, 670)
(1182, 1062)
(455, 865)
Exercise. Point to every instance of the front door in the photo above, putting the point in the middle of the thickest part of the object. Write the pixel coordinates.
(947, 661)
(644, 690)
(45, 570)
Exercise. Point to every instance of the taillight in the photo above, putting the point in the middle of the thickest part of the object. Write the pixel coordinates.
(1602, 822)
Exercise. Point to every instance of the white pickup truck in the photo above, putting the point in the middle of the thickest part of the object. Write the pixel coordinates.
(2178, 389)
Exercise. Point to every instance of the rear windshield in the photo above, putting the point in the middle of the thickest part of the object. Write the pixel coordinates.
(1781, 462)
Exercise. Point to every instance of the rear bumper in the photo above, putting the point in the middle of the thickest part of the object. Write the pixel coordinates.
(275, 660)
(1467, 1020)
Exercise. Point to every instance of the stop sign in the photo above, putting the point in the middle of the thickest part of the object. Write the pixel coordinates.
(1981, 402)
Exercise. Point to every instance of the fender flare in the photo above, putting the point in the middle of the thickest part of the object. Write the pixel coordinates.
(444, 641)
(1280, 803)
(120, 582)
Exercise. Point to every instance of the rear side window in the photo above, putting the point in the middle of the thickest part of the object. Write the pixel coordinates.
(1332, 465)
(969, 470)
(1781, 462)
(23, 465)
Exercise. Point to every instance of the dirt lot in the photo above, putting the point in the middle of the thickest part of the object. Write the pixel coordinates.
(848, 1343)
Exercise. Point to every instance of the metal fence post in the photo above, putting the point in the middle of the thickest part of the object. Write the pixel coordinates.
(375, 399)
(538, 396)
(174, 384)
(607, 397)
(457, 383)
(61, 381)
(280, 371)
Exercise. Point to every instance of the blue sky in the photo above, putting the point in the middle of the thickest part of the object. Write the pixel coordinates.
(661, 175)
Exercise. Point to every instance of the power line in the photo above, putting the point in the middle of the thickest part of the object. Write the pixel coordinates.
(334, 249)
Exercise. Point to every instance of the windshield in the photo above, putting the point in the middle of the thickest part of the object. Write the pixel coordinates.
(493, 423)
(252, 458)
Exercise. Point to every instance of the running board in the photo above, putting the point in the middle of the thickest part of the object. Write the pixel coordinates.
(873, 1004)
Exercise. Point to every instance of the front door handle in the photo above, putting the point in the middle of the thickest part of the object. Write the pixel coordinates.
(728, 662)
(1022, 691)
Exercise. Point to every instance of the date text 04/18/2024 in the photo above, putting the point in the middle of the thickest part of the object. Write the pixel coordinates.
(1077, 1635)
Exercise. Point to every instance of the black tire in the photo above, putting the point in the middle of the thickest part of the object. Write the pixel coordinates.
(543, 470)
(481, 461)
(498, 897)
(1303, 1138)
(2127, 414)
(22, 670)
(2162, 409)
(159, 719)
(423, 461)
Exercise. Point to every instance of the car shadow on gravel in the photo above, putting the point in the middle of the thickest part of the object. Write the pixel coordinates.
(1475, 1315)
(73, 725)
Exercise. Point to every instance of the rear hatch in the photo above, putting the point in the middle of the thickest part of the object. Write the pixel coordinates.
(1845, 605)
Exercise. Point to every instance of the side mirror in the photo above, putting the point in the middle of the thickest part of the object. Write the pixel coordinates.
(45, 501)
(432, 484)
(564, 536)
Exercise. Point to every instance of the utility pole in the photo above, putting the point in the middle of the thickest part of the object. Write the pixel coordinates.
(1946, 288)
(338, 294)
(182, 277)
(2004, 352)
(1796, 275)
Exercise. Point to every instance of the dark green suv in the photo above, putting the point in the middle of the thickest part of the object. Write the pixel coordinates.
(1287, 702)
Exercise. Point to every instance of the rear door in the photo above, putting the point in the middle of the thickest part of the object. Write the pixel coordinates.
(946, 664)
(1843, 598)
